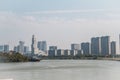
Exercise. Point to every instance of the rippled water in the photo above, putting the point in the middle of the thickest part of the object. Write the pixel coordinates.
(61, 70)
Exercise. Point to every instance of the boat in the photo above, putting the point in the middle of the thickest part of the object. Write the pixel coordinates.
(35, 59)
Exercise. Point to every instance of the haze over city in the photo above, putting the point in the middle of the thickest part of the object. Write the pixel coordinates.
(59, 22)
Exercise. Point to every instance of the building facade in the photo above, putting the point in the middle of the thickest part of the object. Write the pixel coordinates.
(6, 48)
(105, 45)
(113, 48)
(85, 47)
(95, 46)
(34, 49)
(75, 46)
(42, 45)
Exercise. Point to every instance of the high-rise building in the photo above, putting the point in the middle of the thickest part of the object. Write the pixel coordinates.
(105, 45)
(79, 52)
(26, 49)
(75, 46)
(85, 47)
(15, 49)
(21, 47)
(73, 52)
(42, 45)
(66, 52)
(52, 47)
(113, 48)
(1, 48)
(95, 46)
(34, 49)
(6, 48)
(52, 51)
(60, 52)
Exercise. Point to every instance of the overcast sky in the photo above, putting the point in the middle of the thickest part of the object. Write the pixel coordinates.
(59, 22)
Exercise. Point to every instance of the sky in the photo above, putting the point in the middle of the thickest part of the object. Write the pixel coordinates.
(59, 22)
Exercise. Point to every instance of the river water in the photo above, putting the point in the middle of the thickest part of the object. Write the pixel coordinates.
(61, 70)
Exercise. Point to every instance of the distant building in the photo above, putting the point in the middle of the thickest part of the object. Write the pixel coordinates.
(1, 48)
(105, 45)
(26, 49)
(15, 49)
(34, 49)
(52, 53)
(52, 47)
(85, 47)
(6, 48)
(60, 52)
(21, 47)
(79, 52)
(95, 46)
(75, 46)
(73, 52)
(66, 52)
(42, 45)
(113, 48)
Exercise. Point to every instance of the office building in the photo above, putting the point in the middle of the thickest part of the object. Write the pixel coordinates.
(34, 49)
(85, 47)
(75, 46)
(95, 46)
(1, 48)
(52, 47)
(105, 45)
(79, 52)
(6, 48)
(21, 47)
(113, 48)
(66, 52)
(26, 49)
(60, 52)
(15, 49)
(42, 45)
(52, 53)
(73, 52)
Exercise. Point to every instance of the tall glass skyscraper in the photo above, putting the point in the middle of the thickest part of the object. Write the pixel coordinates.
(85, 47)
(42, 45)
(105, 45)
(34, 49)
(95, 46)
(113, 48)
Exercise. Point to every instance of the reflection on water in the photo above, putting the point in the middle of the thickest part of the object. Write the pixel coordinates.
(61, 70)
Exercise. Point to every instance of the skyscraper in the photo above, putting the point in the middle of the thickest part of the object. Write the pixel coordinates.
(85, 47)
(34, 49)
(113, 48)
(6, 48)
(52, 51)
(1, 48)
(52, 47)
(42, 45)
(75, 46)
(105, 45)
(21, 47)
(26, 49)
(95, 46)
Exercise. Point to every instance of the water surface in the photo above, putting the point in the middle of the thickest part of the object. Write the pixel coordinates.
(61, 70)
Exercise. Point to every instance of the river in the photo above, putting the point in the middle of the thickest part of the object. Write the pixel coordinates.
(61, 70)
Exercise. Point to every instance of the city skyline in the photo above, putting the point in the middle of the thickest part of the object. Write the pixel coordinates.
(59, 22)
(98, 46)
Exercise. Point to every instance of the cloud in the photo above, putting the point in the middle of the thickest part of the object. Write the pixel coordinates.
(64, 11)
(73, 11)
(56, 30)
